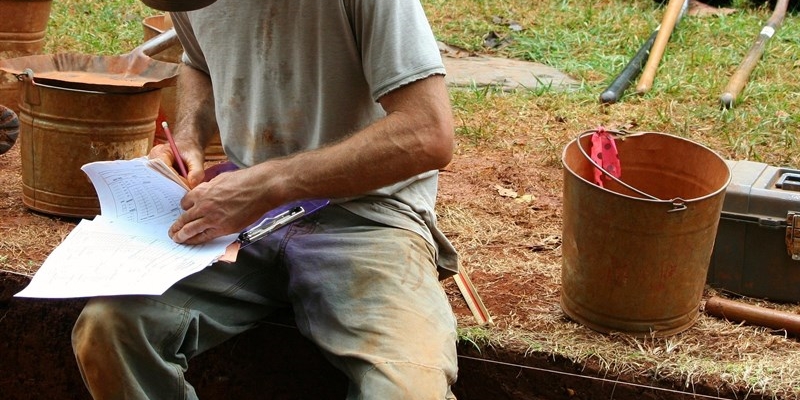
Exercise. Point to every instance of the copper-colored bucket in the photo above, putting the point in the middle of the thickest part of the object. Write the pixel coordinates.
(62, 129)
(134, 72)
(75, 109)
(153, 26)
(636, 253)
(23, 24)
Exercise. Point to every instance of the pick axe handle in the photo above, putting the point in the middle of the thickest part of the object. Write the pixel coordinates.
(742, 73)
(615, 90)
(668, 21)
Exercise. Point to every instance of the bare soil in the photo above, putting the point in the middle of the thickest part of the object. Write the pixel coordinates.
(501, 206)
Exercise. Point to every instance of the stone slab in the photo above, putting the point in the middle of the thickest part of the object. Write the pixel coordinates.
(507, 74)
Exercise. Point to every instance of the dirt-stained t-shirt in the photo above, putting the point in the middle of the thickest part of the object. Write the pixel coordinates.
(294, 75)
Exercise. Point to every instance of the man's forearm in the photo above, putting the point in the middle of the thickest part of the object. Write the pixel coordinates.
(416, 136)
(196, 119)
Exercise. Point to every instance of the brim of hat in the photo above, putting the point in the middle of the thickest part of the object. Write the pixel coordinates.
(177, 5)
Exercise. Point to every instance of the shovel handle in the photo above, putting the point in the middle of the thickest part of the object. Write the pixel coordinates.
(158, 43)
(633, 68)
(675, 9)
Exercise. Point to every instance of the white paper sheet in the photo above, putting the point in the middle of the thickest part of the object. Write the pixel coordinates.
(126, 250)
(134, 191)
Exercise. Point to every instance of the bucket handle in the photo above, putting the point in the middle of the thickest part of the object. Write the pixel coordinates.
(678, 204)
(31, 92)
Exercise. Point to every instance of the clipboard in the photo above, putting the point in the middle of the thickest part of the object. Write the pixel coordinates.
(279, 217)
(273, 219)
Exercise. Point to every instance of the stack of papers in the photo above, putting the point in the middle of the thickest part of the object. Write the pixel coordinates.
(126, 249)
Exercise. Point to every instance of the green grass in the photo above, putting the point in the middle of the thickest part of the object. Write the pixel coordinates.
(590, 41)
(593, 41)
(105, 27)
(475, 336)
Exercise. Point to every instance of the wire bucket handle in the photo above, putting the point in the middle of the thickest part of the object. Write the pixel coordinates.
(678, 204)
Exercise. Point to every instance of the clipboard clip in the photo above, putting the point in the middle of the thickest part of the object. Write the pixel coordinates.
(272, 224)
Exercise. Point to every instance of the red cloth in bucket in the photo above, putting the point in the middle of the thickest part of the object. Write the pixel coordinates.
(604, 153)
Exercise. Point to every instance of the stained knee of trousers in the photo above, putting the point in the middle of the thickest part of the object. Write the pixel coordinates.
(402, 380)
(115, 358)
(90, 343)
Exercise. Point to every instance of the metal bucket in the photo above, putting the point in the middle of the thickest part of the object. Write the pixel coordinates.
(61, 129)
(22, 33)
(153, 26)
(132, 72)
(636, 251)
(23, 25)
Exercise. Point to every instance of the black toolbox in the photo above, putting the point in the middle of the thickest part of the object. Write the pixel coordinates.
(757, 248)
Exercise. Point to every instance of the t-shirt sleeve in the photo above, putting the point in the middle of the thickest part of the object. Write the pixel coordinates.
(396, 42)
(192, 54)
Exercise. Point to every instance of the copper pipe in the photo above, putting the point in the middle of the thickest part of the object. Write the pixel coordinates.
(753, 315)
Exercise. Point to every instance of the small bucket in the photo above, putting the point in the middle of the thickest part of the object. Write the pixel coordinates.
(62, 129)
(23, 26)
(22, 32)
(636, 251)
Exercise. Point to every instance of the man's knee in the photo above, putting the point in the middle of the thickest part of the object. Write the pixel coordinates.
(404, 380)
(96, 320)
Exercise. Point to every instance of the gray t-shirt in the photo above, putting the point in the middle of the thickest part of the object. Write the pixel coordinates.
(294, 75)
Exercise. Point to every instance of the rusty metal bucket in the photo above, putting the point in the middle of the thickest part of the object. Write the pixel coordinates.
(636, 251)
(62, 129)
(23, 26)
(22, 33)
(134, 72)
(76, 109)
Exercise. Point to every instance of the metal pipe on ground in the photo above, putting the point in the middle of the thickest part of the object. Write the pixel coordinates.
(738, 311)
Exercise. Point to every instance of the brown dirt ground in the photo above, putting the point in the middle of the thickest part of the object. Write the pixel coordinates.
(510, 248)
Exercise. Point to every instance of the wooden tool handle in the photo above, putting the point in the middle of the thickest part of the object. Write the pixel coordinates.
(741, 312)
(670, 18)
(742, 74)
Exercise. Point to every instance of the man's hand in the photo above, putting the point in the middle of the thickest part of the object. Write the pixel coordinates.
(226, 204)
(191, 157)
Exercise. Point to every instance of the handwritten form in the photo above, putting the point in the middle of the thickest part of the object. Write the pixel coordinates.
(126, 249)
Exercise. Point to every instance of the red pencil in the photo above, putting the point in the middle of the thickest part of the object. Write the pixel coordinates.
(178, 159)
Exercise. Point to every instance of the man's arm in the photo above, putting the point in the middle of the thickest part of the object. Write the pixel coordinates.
(415, 136)
(195, 123)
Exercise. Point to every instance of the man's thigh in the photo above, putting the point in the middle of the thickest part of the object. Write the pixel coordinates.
(369, 295)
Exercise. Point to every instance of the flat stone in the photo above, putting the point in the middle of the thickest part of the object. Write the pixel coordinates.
(507, 74)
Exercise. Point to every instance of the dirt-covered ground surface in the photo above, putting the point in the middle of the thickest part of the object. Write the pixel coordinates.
(501, 206)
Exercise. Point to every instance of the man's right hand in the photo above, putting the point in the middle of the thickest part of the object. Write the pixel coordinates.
(192, 158)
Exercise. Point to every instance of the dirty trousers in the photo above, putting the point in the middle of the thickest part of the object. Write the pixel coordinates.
(367, 294)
